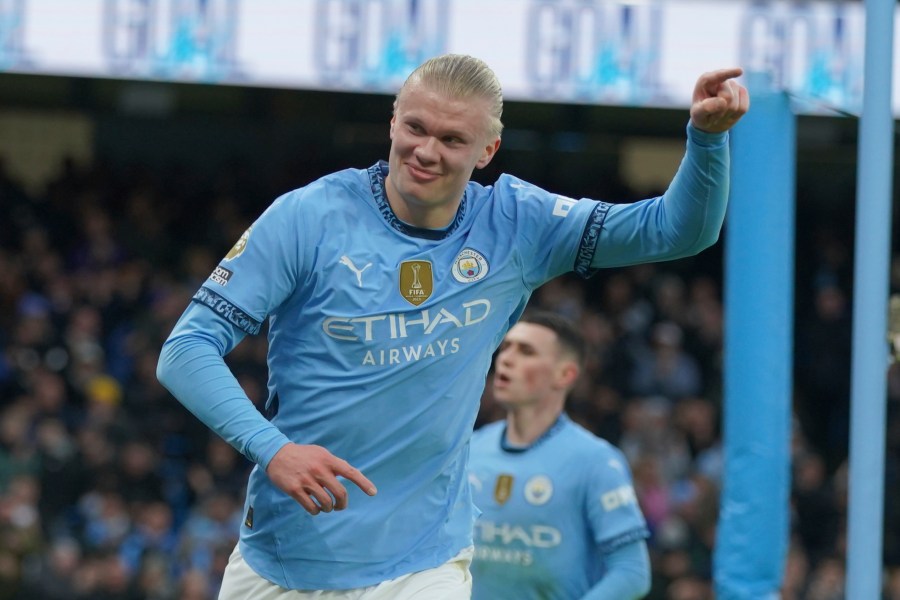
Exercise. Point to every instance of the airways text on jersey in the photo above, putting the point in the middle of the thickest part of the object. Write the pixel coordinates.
(427, 330)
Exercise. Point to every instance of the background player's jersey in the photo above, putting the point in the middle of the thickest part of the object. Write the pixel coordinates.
(380, 340)
(549, 513)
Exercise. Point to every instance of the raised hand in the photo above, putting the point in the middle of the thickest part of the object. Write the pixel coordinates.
(719, 101)
(308, 474)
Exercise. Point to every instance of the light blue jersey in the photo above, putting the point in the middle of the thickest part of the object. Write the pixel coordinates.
(549, 513)
(380, 337)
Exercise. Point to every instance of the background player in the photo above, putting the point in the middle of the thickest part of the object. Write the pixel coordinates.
(560, 519)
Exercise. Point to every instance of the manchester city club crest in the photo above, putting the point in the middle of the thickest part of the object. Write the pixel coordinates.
(470, 265)
(538, 490)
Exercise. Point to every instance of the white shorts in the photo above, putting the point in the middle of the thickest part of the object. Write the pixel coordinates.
(450, 581)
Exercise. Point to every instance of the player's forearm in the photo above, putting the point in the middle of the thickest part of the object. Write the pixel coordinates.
(193, 370)
(698, 195)
(627, 576)
(681, 222)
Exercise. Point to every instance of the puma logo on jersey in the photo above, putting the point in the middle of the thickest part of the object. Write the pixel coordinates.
(345, 260)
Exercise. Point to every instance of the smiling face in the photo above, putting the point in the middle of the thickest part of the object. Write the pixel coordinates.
(532, 368)
(437, 141)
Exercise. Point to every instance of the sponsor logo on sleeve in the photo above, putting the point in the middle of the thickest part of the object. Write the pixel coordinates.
(621, 496)
(220, 275)
(563, 206)
(239, 246)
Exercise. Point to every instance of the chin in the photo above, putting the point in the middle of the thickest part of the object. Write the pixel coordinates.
(504, 402)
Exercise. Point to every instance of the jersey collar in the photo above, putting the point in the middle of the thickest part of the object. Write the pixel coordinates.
(557, 426)
(377, 174)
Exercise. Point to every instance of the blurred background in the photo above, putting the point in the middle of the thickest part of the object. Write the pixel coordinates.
(125, 178)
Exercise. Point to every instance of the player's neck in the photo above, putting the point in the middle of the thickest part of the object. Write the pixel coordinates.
(525, 424)
(424, 215)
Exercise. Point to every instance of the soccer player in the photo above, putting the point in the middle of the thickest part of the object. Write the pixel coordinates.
(559, 520)
(386, 292)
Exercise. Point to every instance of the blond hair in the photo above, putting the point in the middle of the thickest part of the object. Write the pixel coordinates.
(461, 76)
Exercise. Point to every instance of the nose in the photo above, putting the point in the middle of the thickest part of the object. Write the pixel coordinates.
(504, 357)
(427, 152)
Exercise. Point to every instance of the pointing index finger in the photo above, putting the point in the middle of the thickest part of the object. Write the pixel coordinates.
(717, 77)
(355, 475)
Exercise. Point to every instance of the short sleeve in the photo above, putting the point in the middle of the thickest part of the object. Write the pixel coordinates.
(262, 269)
(554, 234)
(612, 505)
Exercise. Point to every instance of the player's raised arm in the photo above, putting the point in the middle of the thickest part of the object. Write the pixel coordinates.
(719, 101)
(688, 217)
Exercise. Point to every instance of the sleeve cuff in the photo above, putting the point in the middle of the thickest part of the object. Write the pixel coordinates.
(706, 139)
(265, 446)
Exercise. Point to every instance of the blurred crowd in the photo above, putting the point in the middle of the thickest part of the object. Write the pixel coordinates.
(111, 490)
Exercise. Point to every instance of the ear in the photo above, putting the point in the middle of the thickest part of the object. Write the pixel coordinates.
(489, 151)
(567, 374)
(393, 122)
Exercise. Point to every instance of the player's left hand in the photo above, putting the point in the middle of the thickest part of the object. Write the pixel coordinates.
(719, 101)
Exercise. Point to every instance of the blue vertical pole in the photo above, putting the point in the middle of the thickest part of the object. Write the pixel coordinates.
(752, 535)
(870, 301)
